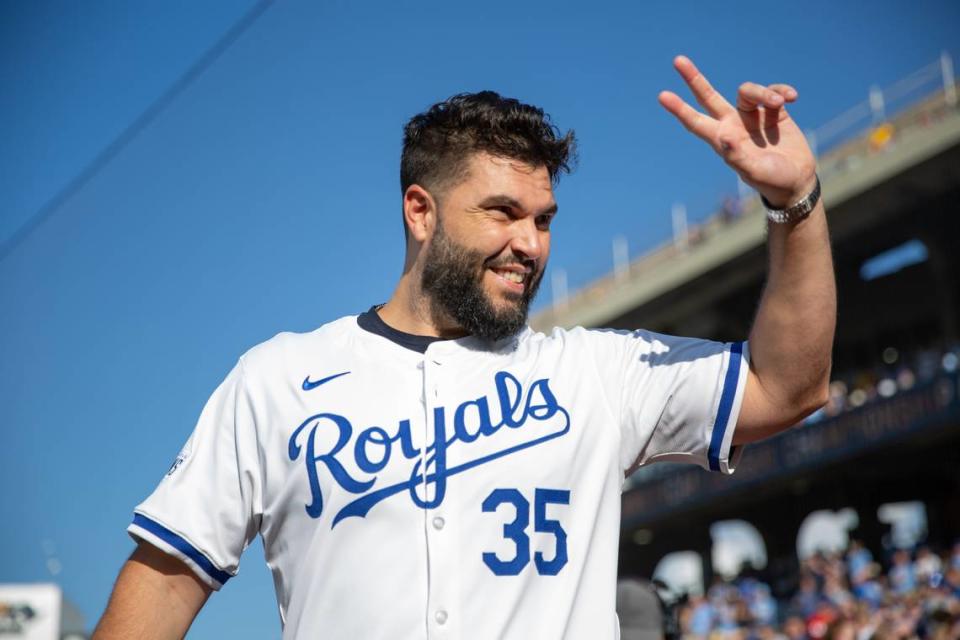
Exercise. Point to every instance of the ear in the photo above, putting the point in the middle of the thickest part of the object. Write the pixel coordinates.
(419, 212)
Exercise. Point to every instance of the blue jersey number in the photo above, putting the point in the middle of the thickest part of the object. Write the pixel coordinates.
(517, 531)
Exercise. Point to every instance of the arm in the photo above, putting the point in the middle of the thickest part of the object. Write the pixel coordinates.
(792, 334)
(156, 596)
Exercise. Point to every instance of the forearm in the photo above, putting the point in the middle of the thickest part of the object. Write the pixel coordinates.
(156, 597)
(792, 335)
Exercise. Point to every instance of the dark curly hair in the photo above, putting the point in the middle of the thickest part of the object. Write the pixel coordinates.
(438, 143)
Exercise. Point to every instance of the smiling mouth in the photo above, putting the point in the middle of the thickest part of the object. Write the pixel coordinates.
(516, 277)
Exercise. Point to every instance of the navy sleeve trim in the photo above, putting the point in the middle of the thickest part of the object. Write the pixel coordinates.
(727, 397)
(182, 546)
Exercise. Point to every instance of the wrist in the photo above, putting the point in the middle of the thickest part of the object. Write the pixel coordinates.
(798, 209)
(784, 199)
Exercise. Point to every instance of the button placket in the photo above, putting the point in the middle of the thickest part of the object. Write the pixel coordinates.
(443, 597)
(445, 569)
(429, 401)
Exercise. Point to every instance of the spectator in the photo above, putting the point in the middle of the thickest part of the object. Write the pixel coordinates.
(927, 566)
(819, 623)
(701, 618)
(866, 587)
(808, 597)
(840, 597)
(902, 577)
(858, 557)
(795, 629)
(841, 629)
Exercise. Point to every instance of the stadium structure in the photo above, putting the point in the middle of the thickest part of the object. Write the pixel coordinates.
(892, 430)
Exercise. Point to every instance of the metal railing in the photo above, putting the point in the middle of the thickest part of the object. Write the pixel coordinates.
(870, 126)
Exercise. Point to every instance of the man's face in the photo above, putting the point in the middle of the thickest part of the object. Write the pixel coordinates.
(486, 257)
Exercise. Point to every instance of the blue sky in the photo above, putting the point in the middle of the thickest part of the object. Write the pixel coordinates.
(266, 198)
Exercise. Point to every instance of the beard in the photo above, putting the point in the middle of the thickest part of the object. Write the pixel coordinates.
(453, 280)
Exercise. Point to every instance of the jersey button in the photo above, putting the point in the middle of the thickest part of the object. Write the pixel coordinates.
(441, 616)
(438, 523)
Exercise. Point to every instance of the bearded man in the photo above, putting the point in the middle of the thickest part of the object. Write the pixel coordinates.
(433, 468)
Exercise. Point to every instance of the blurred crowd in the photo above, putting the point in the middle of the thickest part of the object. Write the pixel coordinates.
(897, 372)
(841, 596)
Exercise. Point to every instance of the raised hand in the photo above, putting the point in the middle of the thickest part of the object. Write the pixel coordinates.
(758, 139)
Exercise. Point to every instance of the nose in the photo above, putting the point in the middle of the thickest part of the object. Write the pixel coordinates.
(528, 241)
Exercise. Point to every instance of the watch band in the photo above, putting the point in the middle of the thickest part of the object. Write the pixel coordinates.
(796, 212)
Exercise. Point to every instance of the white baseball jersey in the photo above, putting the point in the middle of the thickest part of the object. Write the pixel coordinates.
(406, 487)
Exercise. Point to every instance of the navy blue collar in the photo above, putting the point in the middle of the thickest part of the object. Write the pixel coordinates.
(371, 321)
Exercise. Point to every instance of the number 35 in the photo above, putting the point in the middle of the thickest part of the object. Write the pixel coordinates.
(517, 531)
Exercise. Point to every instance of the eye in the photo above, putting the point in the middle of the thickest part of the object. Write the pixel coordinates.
(543, 221)
(502, 212)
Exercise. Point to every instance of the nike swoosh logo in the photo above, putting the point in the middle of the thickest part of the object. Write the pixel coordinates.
(308, 384)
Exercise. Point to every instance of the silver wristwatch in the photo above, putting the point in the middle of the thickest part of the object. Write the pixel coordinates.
(796, 212)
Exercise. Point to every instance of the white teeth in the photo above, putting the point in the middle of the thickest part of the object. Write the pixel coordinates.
(512, 276)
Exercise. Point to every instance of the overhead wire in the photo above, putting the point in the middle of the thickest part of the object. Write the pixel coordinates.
(102, 159)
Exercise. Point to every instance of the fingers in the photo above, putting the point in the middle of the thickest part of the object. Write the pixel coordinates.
(708, 98)
(751, 96)
(789, 93)
(695, 122)
(760, 109)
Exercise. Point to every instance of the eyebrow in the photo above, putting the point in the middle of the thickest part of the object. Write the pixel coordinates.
(509, 201)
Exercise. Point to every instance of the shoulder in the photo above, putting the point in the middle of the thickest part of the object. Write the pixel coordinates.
(613, 345)
(581, 336)
(599, 343)
(290, 349)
